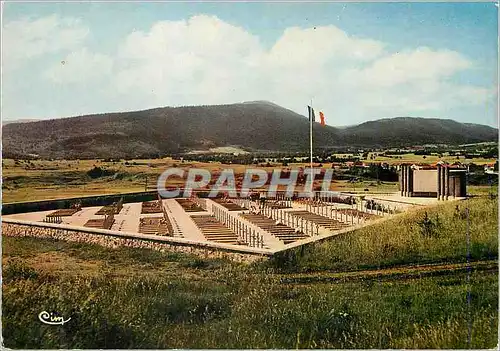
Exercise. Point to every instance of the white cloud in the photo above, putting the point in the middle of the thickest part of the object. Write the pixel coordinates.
(413, 81)
(203, 36)
(311, 47)
(204, 60)
(27, 38)
(207, 61)
(414, 65)
(80, 66)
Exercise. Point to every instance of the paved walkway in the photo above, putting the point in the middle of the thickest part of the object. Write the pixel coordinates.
(81, 217)
(403, 202)
(188, 228)
(30, 216)
(128, 218)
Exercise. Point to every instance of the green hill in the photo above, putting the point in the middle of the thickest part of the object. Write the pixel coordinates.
(258, 125)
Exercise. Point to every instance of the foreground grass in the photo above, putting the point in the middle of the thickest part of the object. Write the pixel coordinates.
(402, 240)
(126, 298)
(133, 298)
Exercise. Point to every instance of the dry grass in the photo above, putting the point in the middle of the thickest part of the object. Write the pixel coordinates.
(44, 180)
(430, 159)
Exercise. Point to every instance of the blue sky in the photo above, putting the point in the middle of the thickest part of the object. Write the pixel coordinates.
(357, 62)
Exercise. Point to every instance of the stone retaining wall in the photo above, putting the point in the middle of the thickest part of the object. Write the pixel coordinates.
(85, 201)
(114, 240)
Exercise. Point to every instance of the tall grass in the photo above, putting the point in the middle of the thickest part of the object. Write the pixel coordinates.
(405, 240)
(172, 303)
(138, 298)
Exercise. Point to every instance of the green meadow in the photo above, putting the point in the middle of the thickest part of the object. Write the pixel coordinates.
(137, 298)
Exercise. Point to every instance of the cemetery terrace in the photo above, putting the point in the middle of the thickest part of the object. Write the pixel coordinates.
(252, 224)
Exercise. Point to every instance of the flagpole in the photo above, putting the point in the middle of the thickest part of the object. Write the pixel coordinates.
(311, 135)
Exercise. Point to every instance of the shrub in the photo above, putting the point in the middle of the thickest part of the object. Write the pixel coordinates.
(18, 270)
(98, 172)
(428, 227)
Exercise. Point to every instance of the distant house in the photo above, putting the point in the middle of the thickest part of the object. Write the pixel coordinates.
(359, 164)
(490, 168)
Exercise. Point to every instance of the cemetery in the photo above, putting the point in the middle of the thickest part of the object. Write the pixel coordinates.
(255, 224)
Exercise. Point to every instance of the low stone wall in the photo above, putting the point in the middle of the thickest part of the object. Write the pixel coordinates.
(116, 239)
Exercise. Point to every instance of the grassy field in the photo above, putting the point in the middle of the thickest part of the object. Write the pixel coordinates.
(131, 298)
(429, 159)
(41, 180)
(127, 298)
(482, 190)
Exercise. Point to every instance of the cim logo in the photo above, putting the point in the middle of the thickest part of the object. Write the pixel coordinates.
(51, 318)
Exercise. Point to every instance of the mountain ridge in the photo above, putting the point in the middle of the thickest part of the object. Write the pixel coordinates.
(253, 125)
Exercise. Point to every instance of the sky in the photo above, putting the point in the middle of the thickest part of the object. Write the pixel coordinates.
(353, 61)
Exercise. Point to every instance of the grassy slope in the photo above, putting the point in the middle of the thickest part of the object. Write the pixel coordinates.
(142, 299)
(400, 240)
(126, 298)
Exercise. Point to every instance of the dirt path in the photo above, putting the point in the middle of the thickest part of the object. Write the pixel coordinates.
(400, 272)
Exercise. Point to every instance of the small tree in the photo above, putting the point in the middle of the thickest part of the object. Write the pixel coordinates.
(428, 227)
